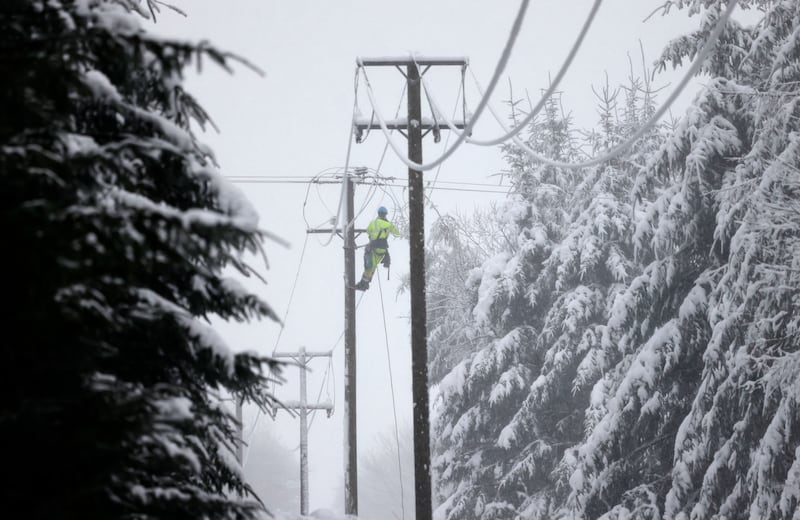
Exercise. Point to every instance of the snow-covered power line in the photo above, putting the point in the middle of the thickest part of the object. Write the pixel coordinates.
(350, 138)
(463, 94)
(550, 90)
(501, 65)
(377, 180)
(346, 166)
(499, 192)
(501, 188)
(622, 147)
(377, 169)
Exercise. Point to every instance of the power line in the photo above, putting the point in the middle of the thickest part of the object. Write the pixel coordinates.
(622, 147)
(500, 187)
(291, 294)
(499, 192)
(350, 139)
(377, 170)
(311, 180)
(501, 64)
(328, 371)
(245, 457)
(463, 94)
(550, 90)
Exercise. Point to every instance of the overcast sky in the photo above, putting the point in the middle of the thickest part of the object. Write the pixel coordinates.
(295, 121)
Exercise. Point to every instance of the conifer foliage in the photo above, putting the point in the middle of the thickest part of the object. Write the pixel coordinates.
(117, 229)
(641, 358)
(518, 402)
(705, 392)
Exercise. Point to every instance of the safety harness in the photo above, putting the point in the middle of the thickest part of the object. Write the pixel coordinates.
(382, 242)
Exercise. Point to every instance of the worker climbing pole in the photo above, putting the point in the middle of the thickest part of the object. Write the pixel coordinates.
(377, 249)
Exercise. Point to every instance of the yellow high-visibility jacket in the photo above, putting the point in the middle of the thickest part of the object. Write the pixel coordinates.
(378, 231)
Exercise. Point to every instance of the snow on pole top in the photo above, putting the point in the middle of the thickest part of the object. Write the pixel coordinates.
(391, 61)
(402, 122)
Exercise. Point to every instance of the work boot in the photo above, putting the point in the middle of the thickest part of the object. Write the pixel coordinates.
(363, 285)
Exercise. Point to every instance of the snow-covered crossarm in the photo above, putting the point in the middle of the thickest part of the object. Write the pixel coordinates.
(362, 123)
(401, 123)
(398, 61)
(327, 405)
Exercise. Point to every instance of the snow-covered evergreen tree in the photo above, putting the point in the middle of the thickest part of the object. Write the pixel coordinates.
(698, 415)
(507, 414)
(117, 229)
(456, 245)
(650, 353)
(483, 392)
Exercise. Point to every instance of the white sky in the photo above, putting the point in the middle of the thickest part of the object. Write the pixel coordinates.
(295, 121)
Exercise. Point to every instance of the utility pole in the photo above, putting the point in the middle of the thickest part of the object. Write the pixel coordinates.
(302, 406)
(350, 406)
(414, 126)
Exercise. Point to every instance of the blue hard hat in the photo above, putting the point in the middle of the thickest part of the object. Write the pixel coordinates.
(382, 211)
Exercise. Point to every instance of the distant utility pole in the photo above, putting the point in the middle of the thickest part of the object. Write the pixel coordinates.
(350, 425)
(302, 406)
(414, 125)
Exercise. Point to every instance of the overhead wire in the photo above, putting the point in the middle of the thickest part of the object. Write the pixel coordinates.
(550, 90)
(296, 279)
(510, 134)
(314, 180)
(291, 295)
(370, 194)
(325, 378)
(322, 200)
(400, 207)
(383, 179)
(397, 185)
(461, 93)
(246, 444)
(501, 64)
(286, 314)
(351, 138)
(442, 188)
(380, 161)
(649, 124)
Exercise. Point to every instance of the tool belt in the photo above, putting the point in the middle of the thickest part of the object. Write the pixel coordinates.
(378, 243)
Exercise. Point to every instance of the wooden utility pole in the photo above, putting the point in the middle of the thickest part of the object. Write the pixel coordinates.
(302, 406)
(414, 126)
(350, 408)
(419, 327)
(350, 401)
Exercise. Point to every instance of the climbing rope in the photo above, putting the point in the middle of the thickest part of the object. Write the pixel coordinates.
(394, 403)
